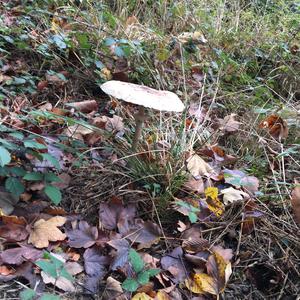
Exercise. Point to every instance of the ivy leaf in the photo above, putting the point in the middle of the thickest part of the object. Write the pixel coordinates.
(53, 193)
(192, 217)
(33, 176)
(143, 277)
(14, 186)
(50, 297)
(51, 177)
(5, 157)
(153, 272)
(136, 261)
(18, 171)
(130, 285)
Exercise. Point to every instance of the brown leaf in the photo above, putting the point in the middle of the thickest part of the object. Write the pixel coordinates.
(17, 256)
(296, 202)
(121, 257)
(277, 127)
(85, 106)
(228, 124)
(45, 231)
(13, 232)
(195, 185)
(42, 85)
(84, 236)
(113, 290)
(65, 181)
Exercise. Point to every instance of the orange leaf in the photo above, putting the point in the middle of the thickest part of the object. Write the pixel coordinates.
(296, 203)
(276, 125)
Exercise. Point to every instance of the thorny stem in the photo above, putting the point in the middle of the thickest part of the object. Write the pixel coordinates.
(139, 120)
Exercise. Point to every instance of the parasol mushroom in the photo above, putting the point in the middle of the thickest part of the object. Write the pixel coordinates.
(144, 97)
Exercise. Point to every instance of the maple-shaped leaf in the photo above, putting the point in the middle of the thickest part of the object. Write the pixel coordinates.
(17, 256)
(174, 263)
(231, 195)
(240, 179)
(114, 214)
(45, 231)
(144, 233)
(84, 236)
(121, 257)
(95, 265)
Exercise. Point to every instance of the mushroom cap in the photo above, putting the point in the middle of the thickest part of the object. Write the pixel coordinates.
(143, 95)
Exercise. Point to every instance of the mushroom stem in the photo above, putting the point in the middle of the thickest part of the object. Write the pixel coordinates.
(139, 120)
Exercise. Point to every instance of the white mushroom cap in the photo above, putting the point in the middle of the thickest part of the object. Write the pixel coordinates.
(143, 95)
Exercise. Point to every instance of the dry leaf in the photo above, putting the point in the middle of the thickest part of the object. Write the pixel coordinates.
(85, 106)
(276, 125)
(198, 167)
(141, 296)
(201, 283)
(296, 203)
(231, 195)
(228, 124)
(45, 231)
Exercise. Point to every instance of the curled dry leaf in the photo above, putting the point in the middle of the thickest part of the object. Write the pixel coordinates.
(45, 231)
(296, 202)
(231, 195)
(277, 127)
(85, 106)
(113, 290)
(228, 124)
(198, 167)
(201, 284)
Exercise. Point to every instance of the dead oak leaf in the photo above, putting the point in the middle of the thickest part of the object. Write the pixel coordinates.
(296, 202)
(198, 167)
(201, 283)
(277, 127)
(45, 231)
(231, 195)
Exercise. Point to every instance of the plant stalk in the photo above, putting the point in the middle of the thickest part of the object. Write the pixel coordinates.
(139, 120)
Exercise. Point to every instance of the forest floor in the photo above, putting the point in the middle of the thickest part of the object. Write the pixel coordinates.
(206, 207)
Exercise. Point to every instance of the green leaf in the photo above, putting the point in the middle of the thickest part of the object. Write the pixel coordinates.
(48, 267)
(50, 297)
(153, 272)
(52, 160)
(27, 294)
(130, 285)
(17, 135)
(136, 261)
(14, 186)
(18, 171)
(143, 277)
(5, 157)
(51, 177)
(34, 176)
(34, 145)
(53, 193)
(192, 217)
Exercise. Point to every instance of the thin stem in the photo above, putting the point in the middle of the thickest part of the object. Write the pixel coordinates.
(139, 119)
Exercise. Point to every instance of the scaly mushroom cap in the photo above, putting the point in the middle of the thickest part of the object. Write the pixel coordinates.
(143, 95)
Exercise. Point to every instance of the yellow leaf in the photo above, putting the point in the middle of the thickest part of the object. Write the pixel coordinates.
(215, 206)
(141, 296)
(106, 74)
(211, 192)
(201, 283)
(45, 231)
(162, 296)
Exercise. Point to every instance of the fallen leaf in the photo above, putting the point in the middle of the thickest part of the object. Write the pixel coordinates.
(213, 202)
(65, 181)
(85, 106)
(231, 195)
(13, 232)
(61, 282)
(277, 127)
(241, 179)
(296, 202)
(195, 36)
(121, 257)
(198, 167)
(174, 263)
(195, 185)
(84, 236)
(113, 290)
(4, 270)
(144, 233)
(45, 231)
(114, 214)
(228, 124)
(220, 270)
(141, 296)
(95, 266)
(17, 256)
(201, 284)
